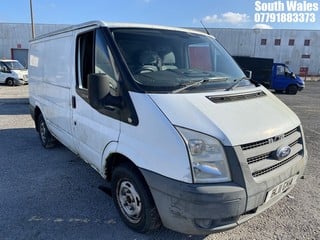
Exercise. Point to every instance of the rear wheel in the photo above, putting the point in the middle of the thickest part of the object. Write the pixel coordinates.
(292, 89)
(133, 199)
(47, 140)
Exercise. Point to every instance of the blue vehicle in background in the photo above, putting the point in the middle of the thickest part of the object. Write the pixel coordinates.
(276, 76)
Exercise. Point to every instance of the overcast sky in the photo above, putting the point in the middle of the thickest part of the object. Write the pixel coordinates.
(181, 13)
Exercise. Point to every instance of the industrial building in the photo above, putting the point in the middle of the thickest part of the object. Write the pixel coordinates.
(299, 49)
(15, 37)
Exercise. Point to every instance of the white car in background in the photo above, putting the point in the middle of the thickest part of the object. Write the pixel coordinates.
(13, 73)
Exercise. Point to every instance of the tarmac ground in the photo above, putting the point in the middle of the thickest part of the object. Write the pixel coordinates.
(53, 194)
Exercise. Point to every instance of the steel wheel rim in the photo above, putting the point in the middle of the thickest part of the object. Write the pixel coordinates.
(129, 201)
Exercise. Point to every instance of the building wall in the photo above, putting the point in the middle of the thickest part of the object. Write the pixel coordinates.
(239, 42)
(18, 35)
(247, 42)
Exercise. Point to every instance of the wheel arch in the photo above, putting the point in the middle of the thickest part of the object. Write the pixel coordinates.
(151, 219)
(115, 159)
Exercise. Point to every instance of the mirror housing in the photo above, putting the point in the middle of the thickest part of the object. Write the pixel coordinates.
(292, 75)
(248, 74)
(99, 91)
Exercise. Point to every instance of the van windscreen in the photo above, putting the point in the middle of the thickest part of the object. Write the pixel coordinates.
(14, 65)
(167, 60)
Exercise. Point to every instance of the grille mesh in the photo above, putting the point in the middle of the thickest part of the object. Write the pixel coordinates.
(261, 155)
(269, 169)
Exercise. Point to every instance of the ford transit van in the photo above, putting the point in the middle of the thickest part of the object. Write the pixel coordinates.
(169, 119)
(13, 73)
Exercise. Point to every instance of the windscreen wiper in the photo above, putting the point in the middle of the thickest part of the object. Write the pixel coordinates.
(235, 84)
(199, 83)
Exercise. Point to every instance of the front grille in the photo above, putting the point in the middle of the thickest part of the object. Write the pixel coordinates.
(269, 169)
(261, 155)
(257, 158)
(254, 145)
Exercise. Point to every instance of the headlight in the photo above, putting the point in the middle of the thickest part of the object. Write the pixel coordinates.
(208, 160)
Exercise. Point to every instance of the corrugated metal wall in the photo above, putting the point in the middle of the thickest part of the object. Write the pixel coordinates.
(247, 42)
(239, 42)
(17, 35)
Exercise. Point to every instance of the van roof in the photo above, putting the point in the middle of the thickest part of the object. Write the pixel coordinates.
(114, 25)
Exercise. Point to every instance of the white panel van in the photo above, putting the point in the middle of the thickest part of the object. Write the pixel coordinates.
(13, 73)
(167, 116)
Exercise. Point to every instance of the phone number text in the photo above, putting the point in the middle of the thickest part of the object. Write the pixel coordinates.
(284, 17)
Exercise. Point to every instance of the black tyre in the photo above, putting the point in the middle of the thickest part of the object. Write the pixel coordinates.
(133, 199)
(47, 140)
(292, 89)
(10, 82)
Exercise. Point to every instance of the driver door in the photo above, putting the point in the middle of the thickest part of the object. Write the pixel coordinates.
(93, 131)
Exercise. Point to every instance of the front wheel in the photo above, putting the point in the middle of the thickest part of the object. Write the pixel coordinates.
(47, 140)
(133, 199)
(292, 89)
(10, 82)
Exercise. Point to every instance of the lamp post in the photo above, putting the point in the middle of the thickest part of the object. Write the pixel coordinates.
(32, 24)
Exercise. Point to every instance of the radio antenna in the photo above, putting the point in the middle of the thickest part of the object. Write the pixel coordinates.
(204, 27)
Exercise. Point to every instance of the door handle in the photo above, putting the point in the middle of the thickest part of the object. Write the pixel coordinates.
(73, 100)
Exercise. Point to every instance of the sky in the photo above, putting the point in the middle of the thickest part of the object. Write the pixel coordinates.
(299, 14)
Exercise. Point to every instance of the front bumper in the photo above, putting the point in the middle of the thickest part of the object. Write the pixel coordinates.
(206, 208)
(301, 87)
(19, 82)
(196, 208)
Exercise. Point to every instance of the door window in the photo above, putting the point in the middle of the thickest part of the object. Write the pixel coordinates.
(280, 70)
(85, 58)
(3, 68)
(94, 56)
(283, 71)
(104, 62)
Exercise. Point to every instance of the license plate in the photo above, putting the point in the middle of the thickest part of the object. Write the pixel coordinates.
(281, 188)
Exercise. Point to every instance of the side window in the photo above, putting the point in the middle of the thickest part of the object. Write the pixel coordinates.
(94, 56)
(85, 58)
(104, 62)
(3, 68)
(280, 70)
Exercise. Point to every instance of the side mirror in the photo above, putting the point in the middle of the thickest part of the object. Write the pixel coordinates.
(99, 91)
(248, 74)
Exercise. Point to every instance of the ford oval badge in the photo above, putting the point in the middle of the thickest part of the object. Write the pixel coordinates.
(283, 152)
